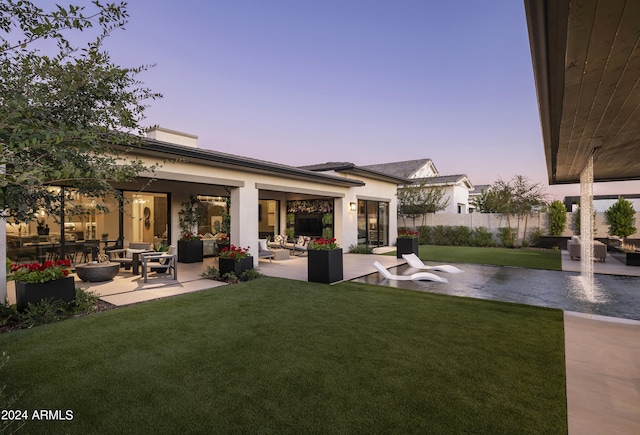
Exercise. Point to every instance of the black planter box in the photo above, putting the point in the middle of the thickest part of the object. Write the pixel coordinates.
(406, 246)
(324, 266)
(550, 242)
(190, 251)
(60, 289)
(628, 258)
(237, 267)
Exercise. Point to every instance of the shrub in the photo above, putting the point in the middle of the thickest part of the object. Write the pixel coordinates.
(557, 218)
(250, 274)
(506, 240)
(210, 273)
(360, 249)
(480, 236)
(621, 218)
(534, 236)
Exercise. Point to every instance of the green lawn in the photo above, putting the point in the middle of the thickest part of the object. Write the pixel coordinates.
(282, 356)
(521, 257)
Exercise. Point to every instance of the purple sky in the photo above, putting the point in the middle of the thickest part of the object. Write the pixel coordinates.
(309, 81)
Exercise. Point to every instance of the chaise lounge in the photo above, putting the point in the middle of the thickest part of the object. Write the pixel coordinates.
(416, 263)
(420, 276)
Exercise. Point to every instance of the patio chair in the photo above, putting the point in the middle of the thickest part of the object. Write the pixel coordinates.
(300, 246)
(416, 263)
(278, 241)
(420, 276)
(159, 262)
(130, 256)
(264, 251)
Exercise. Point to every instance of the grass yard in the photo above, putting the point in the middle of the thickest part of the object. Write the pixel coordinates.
(281, 356)
(520, 257)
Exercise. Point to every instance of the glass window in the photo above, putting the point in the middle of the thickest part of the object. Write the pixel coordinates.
(268, 218)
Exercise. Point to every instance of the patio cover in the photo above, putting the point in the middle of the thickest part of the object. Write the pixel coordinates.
(586, 62)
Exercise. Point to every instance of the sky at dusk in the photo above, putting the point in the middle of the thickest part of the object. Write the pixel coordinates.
(301, 82)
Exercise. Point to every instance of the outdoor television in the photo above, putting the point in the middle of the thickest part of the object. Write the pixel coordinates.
(309, 224)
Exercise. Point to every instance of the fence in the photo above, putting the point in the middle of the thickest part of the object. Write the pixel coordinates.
(492, 222)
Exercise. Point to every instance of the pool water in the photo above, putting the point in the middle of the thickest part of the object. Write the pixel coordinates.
(618, 296)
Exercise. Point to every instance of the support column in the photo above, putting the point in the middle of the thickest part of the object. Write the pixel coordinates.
(244, 218)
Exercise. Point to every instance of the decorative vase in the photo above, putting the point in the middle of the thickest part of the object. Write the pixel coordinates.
(407, 246)
(190, 251)
(33, 292)
(324, 266)
(227, 265)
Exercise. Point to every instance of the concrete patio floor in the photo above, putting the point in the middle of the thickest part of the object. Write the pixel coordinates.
(602, 354)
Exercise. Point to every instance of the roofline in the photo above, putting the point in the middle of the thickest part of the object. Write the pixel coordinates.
(216, 158)
(547, 25)
(350, 168)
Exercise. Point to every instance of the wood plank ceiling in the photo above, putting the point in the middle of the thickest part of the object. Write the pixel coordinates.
(586, 60)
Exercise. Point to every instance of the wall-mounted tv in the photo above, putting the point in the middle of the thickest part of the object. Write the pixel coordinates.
(309, 225)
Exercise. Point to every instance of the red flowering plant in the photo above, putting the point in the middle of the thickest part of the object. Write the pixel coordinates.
(234, 252)
(406, 234)
(38, 273)
(190, 236)
(323, 244)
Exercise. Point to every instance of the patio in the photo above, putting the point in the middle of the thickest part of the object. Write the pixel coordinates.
(126, 289)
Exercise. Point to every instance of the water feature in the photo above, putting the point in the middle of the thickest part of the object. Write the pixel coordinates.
(545, 288)
(585, 285)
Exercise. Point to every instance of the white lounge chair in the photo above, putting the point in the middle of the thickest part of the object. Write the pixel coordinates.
(416, 263)
(420, 276)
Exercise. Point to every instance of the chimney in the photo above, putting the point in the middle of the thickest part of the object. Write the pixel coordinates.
(171, 136)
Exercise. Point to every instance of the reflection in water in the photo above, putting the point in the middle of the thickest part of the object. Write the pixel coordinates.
(618, 296)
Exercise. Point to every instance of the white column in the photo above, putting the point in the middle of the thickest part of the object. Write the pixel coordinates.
(244, 218)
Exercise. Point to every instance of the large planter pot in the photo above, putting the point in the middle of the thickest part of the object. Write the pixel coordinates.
(325, 266)
(190, 251)
(237, 267)
(407, 246)
(60, 289)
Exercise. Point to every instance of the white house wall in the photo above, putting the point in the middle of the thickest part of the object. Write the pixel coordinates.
(247, 188)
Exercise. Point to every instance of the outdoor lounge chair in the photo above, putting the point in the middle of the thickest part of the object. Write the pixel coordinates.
(159, 262)
(264, 251)
(300, 246)
(416, 263)
(420, 276)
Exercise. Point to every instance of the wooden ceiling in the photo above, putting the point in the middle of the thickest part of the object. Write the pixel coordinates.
(586, 61)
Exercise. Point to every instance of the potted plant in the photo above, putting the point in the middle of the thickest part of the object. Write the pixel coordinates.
(235, 259)
(189, 245)
(324, 263)
(105, 236)
(407, 243)
(35, 281)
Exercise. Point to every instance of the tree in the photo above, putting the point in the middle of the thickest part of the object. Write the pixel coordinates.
(416, 200)
(68, 115)
(621, 218)
(519, 196)
(557, 218)
(64, 118)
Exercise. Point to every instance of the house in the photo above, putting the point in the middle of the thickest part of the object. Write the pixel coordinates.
(456, 187)
(255, 198)
(477, 190)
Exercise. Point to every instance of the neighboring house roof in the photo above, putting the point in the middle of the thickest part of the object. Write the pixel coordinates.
(350, 168)
(218, 159)
(405, 169)
(445, 180)
(479, 188)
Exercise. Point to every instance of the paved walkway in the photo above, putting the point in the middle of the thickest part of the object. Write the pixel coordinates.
(602, 356)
